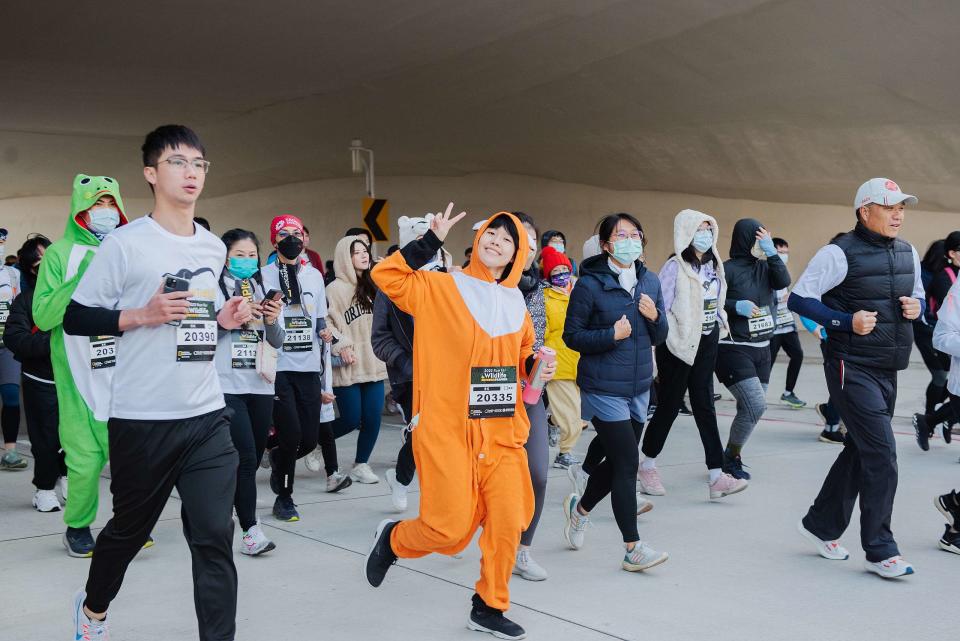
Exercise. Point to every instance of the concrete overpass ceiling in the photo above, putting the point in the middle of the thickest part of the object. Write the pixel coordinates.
(781, 100)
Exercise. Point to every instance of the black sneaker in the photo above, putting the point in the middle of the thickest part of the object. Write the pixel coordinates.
(949, 506)
(79, 542)
(950, 541)
(483, 618)
(827, 436)
(733, 465)
(381, 555)
(684, 409)
(284, 509)
(947, 432)
(922, 431)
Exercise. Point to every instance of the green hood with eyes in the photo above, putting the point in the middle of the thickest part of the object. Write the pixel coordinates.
(86, 191)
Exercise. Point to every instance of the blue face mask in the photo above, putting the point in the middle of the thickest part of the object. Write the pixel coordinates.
(702, 240)
(627, 250)
(560, 280)
(243, 267)
(103, 220)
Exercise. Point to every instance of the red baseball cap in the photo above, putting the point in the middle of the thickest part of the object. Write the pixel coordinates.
(280, 222)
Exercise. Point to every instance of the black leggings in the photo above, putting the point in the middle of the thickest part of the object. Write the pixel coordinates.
(43, 418)
(937, 363)
(616, 475)
(791, 345)
(676, 377)
(252, 415)
(296, 419)
(406, 466)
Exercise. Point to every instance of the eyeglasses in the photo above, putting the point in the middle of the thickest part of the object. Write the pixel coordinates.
(284, 234)
(181, 163)
(624, 236)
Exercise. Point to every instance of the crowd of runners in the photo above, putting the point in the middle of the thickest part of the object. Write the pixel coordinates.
(188, 360)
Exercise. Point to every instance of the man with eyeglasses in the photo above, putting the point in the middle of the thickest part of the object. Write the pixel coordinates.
(154, 285)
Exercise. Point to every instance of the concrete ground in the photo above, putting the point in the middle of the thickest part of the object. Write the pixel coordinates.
(737, 570)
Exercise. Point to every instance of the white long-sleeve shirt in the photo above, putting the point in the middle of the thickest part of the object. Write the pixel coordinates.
(946, 335)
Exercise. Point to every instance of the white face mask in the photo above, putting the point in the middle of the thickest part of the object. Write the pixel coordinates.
(784, 257)
(103, 220)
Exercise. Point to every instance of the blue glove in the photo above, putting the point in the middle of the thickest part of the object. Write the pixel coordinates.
(745, 308)
(766, 244)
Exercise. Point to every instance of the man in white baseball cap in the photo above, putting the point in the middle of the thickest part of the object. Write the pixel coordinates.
(864, 288)
(881, 191)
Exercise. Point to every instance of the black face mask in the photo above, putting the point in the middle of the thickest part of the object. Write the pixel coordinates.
(290, 247)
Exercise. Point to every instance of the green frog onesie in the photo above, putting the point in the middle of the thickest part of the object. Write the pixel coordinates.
(79, 360)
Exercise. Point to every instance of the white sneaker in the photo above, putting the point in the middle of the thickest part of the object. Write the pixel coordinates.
(578, 478)
(338, 481)
(527, 568)
(642, 557)
(892, 568)
(398, 491)
(643, 505)
(725, 485)
(46, 501)
(361, 473)
(255, 542)
(576, 523)
(86, 628)
(827, 549)
(313, 461)
(62, 486)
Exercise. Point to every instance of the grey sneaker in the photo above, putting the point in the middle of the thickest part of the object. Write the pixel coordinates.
(87, 629)
(578, 478)
(642, 557)
(791, 399)
(565, 460)
(527, 568)
(13, 461)
(576, 523)
(553, 435)
(338, 481)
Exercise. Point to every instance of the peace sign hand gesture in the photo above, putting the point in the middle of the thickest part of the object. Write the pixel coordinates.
(442, 223)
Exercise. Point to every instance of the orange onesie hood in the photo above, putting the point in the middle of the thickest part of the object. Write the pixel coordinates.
(477, 269)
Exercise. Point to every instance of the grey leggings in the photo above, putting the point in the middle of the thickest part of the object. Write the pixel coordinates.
(538, 458)
(751, 404)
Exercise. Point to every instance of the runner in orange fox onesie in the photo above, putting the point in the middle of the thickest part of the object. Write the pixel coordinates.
(473, 345)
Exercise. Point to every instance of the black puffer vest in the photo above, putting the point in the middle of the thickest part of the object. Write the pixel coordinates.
(879, 271)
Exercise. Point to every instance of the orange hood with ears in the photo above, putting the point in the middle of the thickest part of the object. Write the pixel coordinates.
(477, 269)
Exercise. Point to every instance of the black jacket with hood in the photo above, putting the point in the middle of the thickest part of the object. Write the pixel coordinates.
(392, 334)
(28, 344)
(753, 279)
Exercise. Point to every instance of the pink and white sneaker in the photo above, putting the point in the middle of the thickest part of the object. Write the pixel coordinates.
(892, 568)
(827, 549)
(650, 482)
(725, 485)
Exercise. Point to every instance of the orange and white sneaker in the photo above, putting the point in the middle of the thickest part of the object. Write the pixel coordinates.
(827, 549)
(891, 568)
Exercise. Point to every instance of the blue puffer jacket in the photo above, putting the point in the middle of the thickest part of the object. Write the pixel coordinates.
(608, 367)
